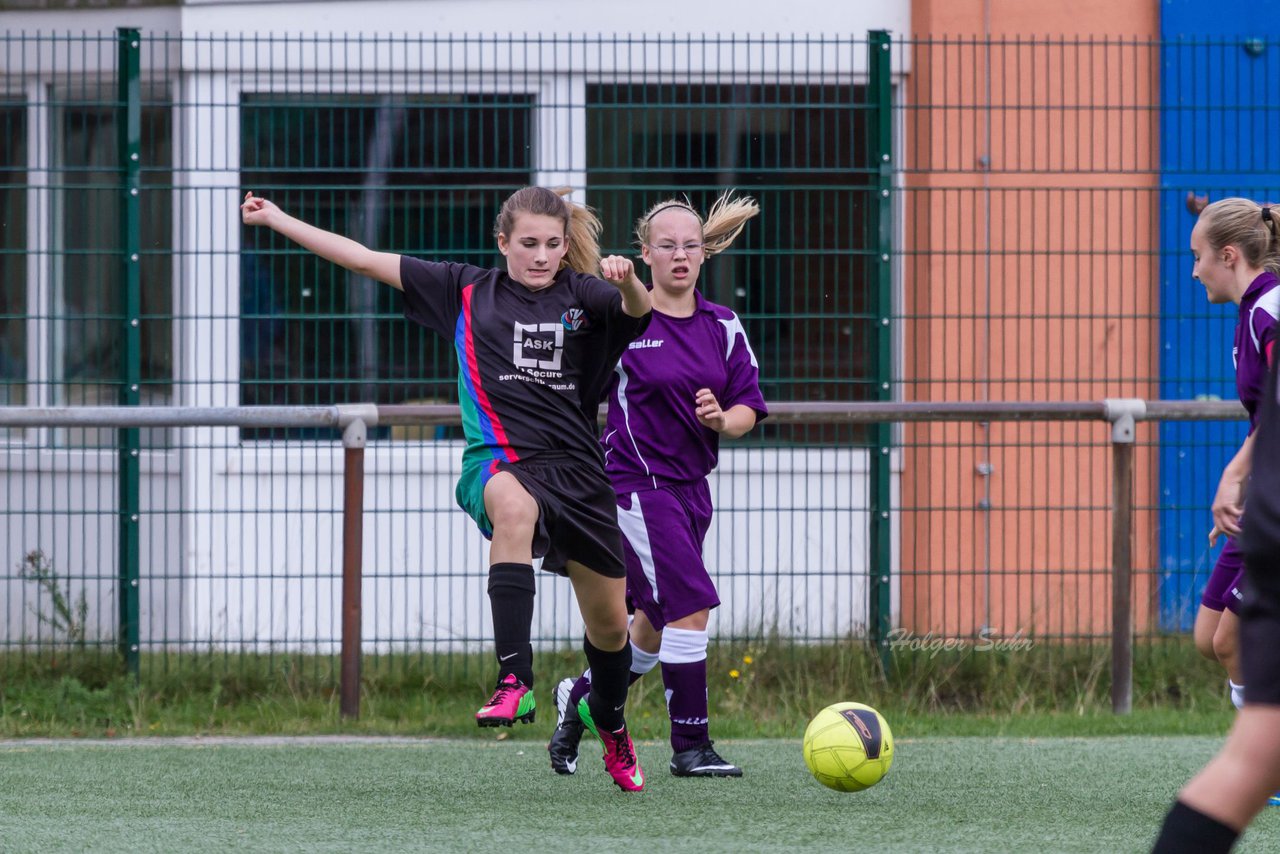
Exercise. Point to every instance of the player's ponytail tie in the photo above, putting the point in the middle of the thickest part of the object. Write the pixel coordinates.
(1266, 219)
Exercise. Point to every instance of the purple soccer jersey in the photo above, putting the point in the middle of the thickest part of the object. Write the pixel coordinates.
(1255, 334)
(1254, 338)
(652, 436)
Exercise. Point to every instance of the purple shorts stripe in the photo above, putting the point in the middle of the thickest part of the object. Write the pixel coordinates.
(663, 530)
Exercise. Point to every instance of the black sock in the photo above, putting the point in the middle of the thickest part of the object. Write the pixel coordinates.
(1189, 831)
(610, 678)
(511, 591)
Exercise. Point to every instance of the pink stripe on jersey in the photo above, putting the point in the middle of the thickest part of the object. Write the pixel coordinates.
(496, 433)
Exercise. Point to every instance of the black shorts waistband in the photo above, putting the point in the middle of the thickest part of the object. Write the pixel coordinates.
(557, 457)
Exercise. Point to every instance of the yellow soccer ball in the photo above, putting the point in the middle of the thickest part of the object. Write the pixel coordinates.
(848, 747)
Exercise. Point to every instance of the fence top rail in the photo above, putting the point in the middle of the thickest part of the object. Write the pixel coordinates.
(169, 416)
(825, 412)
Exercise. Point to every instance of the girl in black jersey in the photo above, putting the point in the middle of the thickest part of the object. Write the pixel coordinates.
(536, 345)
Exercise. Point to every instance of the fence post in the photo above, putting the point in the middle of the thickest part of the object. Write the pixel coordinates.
(129, 156)
(355, 421)
(1122, 414)
(880, 131)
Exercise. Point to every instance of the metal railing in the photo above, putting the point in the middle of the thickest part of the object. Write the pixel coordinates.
(1123, 416)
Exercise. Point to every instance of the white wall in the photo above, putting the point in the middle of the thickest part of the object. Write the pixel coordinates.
(787, 548)
(659, 20)
(579, 17)
(63, 504)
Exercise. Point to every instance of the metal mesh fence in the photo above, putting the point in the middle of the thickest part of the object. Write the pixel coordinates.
(941, 220)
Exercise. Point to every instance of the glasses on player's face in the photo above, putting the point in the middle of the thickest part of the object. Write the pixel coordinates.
(669, 249)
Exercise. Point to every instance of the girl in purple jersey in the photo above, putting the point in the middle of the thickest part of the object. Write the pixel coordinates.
(1229, 243)
(536, 343)
(690, 379)
(1218, 803)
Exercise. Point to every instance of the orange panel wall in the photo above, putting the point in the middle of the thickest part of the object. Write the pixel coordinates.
(1029, 274)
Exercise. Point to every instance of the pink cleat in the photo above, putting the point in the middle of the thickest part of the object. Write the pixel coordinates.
(619, 753)
(511, 701)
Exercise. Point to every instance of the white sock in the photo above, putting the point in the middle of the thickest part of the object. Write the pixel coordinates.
(642, 662)
(683, 646)
(1237, 694)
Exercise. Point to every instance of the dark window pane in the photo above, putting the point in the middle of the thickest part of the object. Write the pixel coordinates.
(798, 276)
(13, 254)
(421, 175)
(88, 341)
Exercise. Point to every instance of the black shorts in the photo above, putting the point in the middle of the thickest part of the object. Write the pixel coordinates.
(1260, 632)
(1259, 608)
(577, 514)
(1260, 542)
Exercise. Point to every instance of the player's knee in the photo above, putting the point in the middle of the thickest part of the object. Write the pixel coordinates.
(512, 511)
(1224, 644)
(645, 636)
(1204, 631)
(609, 633)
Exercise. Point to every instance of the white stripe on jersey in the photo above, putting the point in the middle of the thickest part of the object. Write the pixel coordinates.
(608, 449)
(623, 379)
(637, 533)
(733, 328)
(1270, 303)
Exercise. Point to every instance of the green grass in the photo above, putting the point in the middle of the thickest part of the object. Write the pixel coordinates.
(757, 690)
(1014, 751)
(942, 795)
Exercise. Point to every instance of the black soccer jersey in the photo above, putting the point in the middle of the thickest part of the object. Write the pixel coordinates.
(533, 365)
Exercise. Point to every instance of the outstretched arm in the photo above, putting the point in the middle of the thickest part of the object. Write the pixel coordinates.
(343, 251)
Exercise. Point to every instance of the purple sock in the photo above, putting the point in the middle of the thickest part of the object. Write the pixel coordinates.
(687, 703)
(582, 686)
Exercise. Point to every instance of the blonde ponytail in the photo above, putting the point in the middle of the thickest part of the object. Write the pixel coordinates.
(726, 220)
(1271, 220)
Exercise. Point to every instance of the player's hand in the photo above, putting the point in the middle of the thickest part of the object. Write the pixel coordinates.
(708, 410)
(256, 211)
(617, 270)
(1228, 505)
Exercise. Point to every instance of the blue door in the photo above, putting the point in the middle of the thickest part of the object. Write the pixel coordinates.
(1219, 137)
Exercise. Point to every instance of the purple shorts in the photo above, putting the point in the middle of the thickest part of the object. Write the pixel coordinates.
(1226, 585)
(662, 532)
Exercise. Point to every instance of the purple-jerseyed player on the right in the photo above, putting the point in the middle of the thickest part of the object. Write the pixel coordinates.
(689, 380)
(1230, 243)
(1213, 809)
